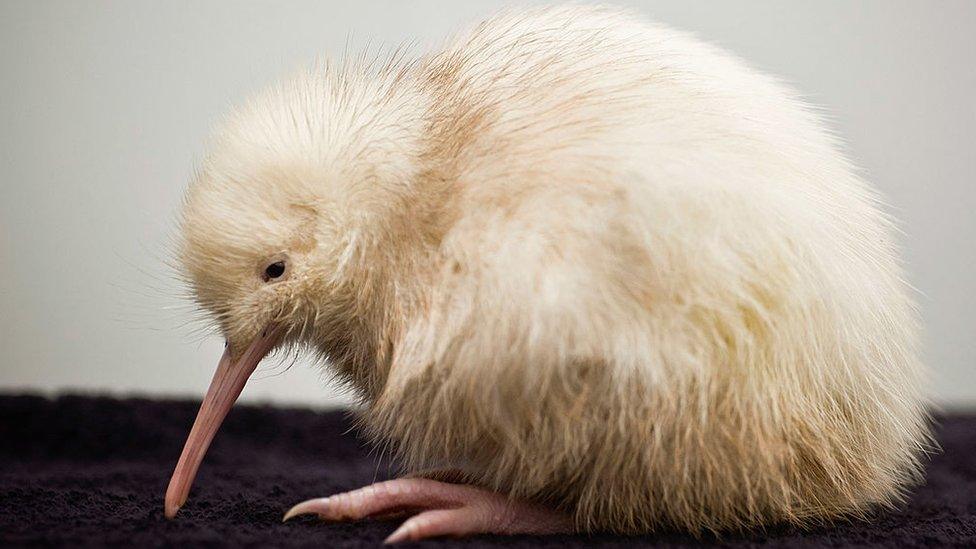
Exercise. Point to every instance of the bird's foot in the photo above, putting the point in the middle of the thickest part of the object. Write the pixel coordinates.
(438, 509)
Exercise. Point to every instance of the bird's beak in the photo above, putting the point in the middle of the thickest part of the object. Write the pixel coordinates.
(228, 381)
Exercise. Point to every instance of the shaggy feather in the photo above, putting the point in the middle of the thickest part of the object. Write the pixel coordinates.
(587, 260)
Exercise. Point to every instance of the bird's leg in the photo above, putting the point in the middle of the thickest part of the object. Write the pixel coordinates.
(439, 509)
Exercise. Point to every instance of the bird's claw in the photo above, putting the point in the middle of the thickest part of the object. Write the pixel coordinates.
(442, 509)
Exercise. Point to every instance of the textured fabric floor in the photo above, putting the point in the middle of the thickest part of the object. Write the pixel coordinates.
(92, 471)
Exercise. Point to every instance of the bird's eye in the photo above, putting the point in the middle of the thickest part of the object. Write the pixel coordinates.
(274, 271)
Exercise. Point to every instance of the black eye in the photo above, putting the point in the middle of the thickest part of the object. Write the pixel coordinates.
(275, 270)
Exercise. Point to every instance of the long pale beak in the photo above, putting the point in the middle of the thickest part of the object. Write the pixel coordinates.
(226, 386)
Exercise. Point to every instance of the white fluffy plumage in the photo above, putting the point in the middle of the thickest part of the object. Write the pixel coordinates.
(586, 259)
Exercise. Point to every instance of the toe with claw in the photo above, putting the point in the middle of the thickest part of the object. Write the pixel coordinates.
(441, 509)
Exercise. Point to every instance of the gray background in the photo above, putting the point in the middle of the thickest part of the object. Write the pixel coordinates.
(105, 105)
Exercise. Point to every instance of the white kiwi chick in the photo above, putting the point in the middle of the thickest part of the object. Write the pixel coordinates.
(585, 273)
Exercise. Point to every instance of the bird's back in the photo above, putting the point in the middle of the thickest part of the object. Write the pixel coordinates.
(661, 298)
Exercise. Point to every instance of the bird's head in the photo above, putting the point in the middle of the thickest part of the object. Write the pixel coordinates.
(293, 226)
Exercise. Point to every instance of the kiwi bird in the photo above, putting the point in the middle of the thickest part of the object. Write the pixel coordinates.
(584, 272)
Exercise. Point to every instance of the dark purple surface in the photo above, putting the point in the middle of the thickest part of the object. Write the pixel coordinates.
(92, 471)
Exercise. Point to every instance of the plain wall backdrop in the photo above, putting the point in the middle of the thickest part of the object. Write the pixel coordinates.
(105, 107)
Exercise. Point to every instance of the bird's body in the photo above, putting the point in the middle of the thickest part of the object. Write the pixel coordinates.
(588, 261)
